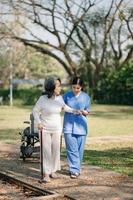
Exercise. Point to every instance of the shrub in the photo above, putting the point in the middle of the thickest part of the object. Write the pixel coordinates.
(115, 87)
(27, 96)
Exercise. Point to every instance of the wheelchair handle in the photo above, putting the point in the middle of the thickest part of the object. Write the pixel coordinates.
(26, 122)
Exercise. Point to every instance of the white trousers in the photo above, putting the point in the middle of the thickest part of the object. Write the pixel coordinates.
(50, 152)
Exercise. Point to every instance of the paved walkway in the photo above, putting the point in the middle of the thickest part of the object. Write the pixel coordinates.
(94, 183)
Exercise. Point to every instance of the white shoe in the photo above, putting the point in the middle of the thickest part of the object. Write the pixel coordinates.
(74, 175)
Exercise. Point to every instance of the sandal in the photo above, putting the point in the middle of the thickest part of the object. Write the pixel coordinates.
(46, 179)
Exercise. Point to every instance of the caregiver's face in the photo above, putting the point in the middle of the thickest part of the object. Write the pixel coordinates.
(76, 89)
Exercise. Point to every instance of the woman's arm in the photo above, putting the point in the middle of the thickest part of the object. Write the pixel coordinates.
(67, 108)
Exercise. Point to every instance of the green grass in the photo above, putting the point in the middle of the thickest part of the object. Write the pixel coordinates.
(11, 122)
(114, 156)
(9, 136)
(104, 121)
(109, 120)
(117, 159)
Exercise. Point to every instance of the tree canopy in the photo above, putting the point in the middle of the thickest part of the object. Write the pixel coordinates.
(74, 32)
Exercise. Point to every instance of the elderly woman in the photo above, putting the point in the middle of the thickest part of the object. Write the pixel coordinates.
(46, 113)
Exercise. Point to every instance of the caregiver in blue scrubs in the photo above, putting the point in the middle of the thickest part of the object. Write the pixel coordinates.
(75, 127)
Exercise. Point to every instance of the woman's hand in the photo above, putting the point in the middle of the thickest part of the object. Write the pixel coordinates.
(40, 126)
(84, 112)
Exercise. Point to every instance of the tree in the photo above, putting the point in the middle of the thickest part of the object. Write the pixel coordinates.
(25, 63)
(20, 61)
(107, 39)
(72, 31)
(54, 19)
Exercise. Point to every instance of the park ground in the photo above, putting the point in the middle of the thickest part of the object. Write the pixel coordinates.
(108, 164)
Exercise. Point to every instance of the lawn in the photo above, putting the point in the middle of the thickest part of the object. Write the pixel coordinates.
(109, 142)
(11, 122)
(109, 120)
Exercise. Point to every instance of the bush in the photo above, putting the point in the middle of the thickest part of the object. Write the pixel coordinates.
(27, 96)
(115, 87)
(5, 94)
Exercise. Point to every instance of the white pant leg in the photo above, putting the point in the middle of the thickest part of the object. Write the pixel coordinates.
(46, 137)
(51, 152)
(55, 159)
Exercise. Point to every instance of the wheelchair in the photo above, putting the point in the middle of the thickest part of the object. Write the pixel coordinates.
(29, 138)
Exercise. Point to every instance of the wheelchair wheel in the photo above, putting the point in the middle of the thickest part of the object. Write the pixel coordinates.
(26, 151)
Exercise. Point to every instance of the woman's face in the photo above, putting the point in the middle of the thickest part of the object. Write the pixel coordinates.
(57, 89)
(76, 89)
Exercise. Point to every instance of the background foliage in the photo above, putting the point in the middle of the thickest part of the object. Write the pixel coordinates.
(115, 87)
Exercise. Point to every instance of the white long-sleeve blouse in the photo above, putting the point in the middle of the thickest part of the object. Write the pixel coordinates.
(47, 111)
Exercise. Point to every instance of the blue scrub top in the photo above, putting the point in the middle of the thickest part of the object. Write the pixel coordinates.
(73, 123)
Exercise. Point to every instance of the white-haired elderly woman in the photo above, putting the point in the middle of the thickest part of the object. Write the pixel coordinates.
(46, 113)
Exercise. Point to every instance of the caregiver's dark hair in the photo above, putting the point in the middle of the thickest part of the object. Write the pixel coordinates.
(77, 81)
(49, 86)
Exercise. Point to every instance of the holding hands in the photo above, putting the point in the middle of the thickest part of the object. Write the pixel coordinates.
(84, 112)
(81, 112)
(77, 112)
